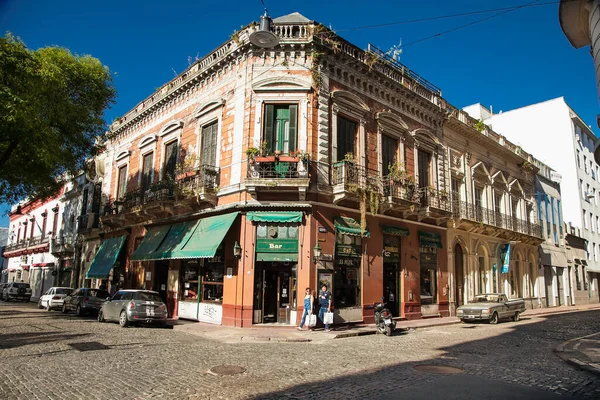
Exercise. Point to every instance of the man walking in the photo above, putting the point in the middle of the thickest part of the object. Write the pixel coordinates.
(325, 302)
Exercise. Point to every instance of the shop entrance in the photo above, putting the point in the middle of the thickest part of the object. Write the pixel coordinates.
(274, 292)
(391, 286)
(161, 274)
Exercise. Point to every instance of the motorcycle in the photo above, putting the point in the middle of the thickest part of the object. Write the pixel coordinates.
(383, 319)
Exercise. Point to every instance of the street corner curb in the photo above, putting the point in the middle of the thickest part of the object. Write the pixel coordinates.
(589, 367)
(291, 340)
(352, 334)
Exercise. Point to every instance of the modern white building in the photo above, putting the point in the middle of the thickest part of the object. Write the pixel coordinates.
(555, 134)
(580, 21)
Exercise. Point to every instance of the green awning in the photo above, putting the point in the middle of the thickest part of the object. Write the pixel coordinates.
(349, 226)
(394, 230)
(178, 233)
(281, 217)
(276, 256)
(428, 239)
(147, 249)
(201, 240)
(105, 258)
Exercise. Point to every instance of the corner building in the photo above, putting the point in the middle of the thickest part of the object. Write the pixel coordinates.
(257, 173)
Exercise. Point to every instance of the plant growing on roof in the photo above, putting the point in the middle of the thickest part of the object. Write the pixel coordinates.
(480, 126)
(371, 59)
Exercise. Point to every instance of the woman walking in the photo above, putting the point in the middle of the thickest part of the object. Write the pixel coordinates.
(308, 306)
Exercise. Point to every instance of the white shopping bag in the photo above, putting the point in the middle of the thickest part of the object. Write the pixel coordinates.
(328, 318)
(312, 319)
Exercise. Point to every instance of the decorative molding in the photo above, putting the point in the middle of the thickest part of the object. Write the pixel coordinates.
(122, 155)
(207, 107)
(351, 101)
(282, 84)
(148, 140)
(170, 127)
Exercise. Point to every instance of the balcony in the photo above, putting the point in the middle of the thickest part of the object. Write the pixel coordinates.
(400, 197)
(31, 245)
(277, 174)
(198, 187)
(87, 222)
(435, 204)
(62, 246)
(111, 215)
(350, 179)
(483, 220)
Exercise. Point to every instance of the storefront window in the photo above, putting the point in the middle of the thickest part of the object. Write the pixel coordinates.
(428, 275)
(212, 281)
(346, 279)
(191, 271)
(346, 283)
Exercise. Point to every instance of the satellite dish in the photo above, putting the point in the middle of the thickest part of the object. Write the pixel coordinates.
(263, 37)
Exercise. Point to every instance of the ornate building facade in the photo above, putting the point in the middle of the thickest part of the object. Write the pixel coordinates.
(257, 173)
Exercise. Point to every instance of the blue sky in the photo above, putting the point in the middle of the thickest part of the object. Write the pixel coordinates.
(507, 62)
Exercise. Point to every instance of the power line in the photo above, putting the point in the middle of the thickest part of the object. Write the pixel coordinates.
(469, 24)
(412, 21)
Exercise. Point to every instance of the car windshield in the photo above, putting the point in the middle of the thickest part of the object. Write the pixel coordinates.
(485, 298)
(64, 291)
(102, 294)
(21, 285)
(147, 296)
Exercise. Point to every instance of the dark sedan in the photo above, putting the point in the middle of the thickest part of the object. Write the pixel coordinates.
(84, 300)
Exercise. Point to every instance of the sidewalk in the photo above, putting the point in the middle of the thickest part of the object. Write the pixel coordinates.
(281, 333)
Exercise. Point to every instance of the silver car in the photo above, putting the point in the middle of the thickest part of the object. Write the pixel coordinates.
(134, 306)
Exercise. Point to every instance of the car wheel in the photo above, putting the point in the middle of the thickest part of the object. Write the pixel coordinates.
(494, 319)
(123, 320)
(517, 316)
(101, 316)
(64, 308)
(78, 311)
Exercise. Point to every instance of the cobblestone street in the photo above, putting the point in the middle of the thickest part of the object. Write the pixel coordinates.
(48, 355)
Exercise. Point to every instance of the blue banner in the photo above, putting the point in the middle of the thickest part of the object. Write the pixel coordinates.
(505, 258)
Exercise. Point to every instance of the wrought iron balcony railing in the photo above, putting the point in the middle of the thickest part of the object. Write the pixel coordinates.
(352, 176)
(272, 167)
(477, 213)
(434, 198)
(205, 178)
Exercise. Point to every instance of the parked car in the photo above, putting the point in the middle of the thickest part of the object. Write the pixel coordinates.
(134, 306)
(16, 291)
(54, 297)
(84, 300)
(2, 286)
(491, 307)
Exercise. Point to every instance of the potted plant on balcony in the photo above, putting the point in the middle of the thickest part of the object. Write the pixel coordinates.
(251, 153)
(443, 195)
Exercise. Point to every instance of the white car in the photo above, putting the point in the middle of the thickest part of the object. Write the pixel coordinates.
(54, 297)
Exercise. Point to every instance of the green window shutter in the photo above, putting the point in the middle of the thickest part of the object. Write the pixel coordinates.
(293, 128)
(147, 170)
(209, 144)
(170, 160)
(268, 124)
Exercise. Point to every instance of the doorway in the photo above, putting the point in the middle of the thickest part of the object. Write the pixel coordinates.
(161, 275)
(391, 286)
(274, 292)
(460, 275)
(560, 286)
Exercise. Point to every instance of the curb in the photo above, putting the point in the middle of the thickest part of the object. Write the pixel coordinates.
(585, 366)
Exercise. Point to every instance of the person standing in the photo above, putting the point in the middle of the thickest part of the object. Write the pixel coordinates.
(325, 302)
(308, 306)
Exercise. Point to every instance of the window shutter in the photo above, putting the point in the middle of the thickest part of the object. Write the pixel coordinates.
(209, 144)
(170, 160)
(293, 128)
(268, 124)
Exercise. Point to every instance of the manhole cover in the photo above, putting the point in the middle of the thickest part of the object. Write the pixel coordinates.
(227, 370)
(438, 369)
(88, 346)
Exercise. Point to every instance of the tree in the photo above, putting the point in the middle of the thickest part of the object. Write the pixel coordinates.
(51, 116)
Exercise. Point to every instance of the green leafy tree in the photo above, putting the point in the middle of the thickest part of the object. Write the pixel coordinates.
(51, 116)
